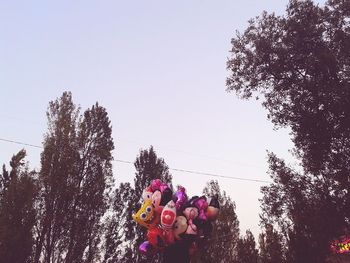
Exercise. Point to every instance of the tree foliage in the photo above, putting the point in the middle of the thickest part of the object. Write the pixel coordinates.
(120, 229)
(221, 246)
(123, 236)
(75, 177)
(17, 211)
(246, 249)
(148, 167)
(271, 246)
(299, 65)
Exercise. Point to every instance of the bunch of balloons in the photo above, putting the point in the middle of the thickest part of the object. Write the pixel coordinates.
(173, 217)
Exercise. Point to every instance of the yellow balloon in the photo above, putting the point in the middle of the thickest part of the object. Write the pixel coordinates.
(146, 216)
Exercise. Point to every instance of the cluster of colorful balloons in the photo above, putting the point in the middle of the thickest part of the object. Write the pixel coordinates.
(173, 217)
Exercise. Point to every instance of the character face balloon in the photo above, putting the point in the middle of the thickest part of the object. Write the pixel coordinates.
(191, 212)
(180, 226)
(146, 216)
(146, 195)
(156, 198)
(168, 215)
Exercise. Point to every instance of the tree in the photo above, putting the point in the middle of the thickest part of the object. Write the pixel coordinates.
(58, 167)
(120, 227)
(304, 210)
(222, 244)
(75, 178)
(91, 185)
(246, 249)
(148, 167)
(17, 211)
(271, 246)
(299, 65)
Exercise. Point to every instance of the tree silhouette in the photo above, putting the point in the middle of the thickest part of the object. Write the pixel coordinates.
(120, 228)
(221, 246)
(75, 178)
(148, 167)
(58, 167)
(271, 246)
(299, 65)
(17, 211)
(246, 249)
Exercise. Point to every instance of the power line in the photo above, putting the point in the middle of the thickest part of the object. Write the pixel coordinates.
(204, 173)
(22, 143)
(219, 175)
(199, 155)
(173, 169)
(231, 162)
(164, 147)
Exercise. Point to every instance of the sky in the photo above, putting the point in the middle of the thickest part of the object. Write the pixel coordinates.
(159, 68)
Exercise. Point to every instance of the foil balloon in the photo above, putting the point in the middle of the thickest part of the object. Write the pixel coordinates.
(159, 199)
(168, 215)
(156, 237)
(156, 199)
(146, 248)
(180, 198)
(202, 205)
(180, 226)
(174, 218)
(192, 228)
(169, 236)
(147, 194)
(158, 185)
(167, 195)
(191, 213)
(212, 211)
(146, 216)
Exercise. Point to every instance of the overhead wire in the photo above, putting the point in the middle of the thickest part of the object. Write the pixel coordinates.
(231, 162)
(22, 143)
(173, 169)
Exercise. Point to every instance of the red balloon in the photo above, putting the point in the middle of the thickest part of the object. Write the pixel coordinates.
(156, 237)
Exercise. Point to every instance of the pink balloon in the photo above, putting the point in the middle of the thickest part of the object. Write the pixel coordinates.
(180, 197)
(202, 205)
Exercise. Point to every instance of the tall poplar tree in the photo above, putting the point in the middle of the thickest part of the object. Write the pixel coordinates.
(271, 246)
(148, 167)
(120, 228)
(246, 249)
(58, 169)
(91, 185)
(123, 235)
(18, 191)
(75, 178)
(221, 246)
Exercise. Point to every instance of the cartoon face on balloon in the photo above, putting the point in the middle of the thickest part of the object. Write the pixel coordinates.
(146, 216)
(191, 212)
(147, 194)
(168, 215)
(180, 226)
(156, 198)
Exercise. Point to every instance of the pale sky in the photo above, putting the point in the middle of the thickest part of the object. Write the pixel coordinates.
(159, 68)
